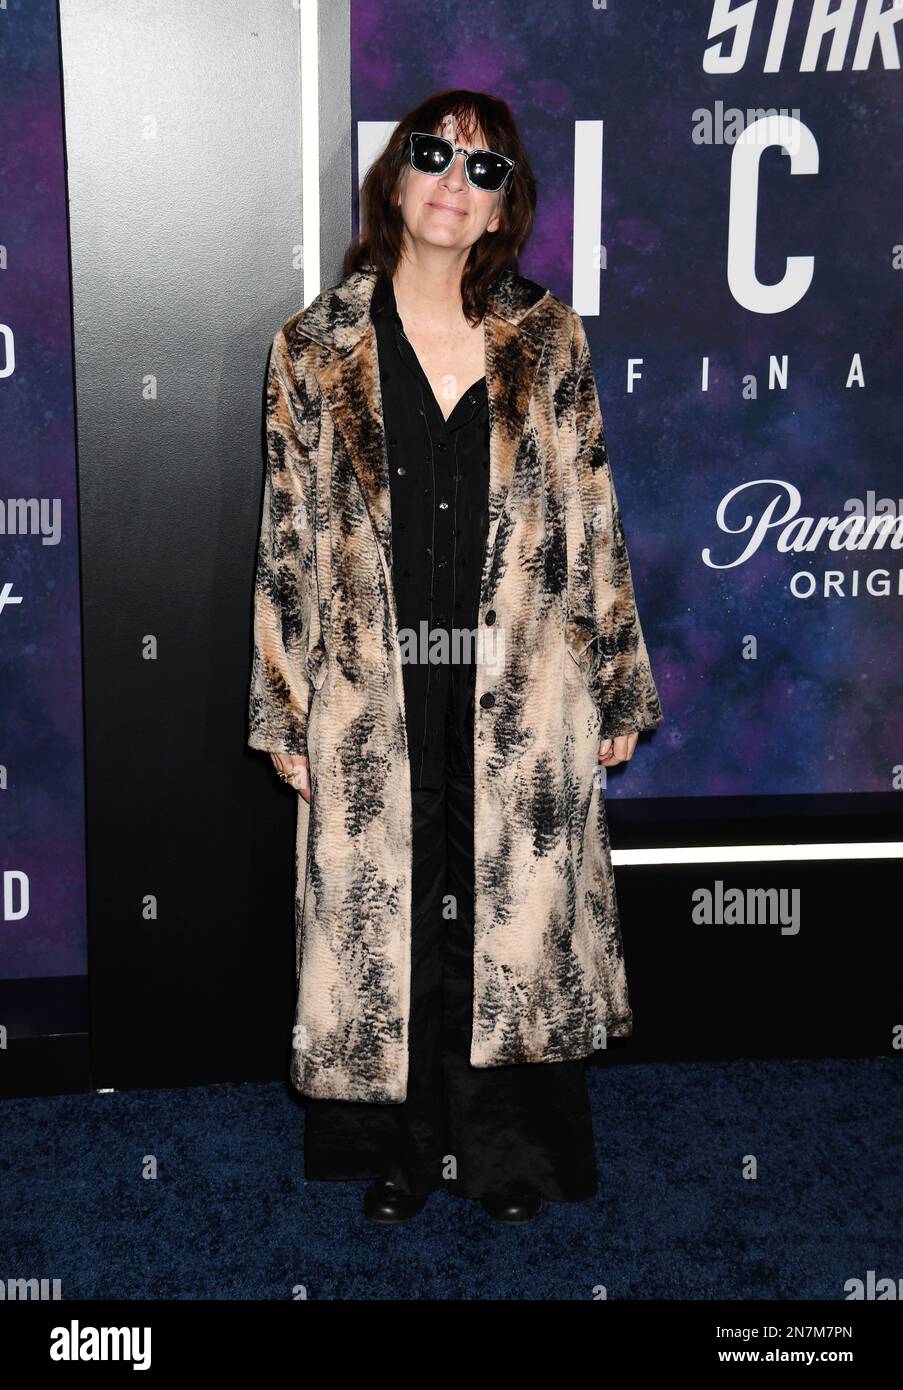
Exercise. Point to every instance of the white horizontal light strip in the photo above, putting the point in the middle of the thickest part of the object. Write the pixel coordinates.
(310, 149)
(755, 854)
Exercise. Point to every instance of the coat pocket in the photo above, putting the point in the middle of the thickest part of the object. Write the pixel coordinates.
(581, 639)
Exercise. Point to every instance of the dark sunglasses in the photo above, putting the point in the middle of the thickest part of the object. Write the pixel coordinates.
(433, 154)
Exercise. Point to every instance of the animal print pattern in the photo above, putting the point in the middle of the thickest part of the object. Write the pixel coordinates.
(571, 668)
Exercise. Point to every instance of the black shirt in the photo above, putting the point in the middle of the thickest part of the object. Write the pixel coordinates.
(439, 491)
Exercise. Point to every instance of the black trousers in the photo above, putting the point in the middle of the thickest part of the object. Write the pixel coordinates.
(474, 1131)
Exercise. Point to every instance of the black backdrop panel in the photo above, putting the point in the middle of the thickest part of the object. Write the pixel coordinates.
(183, 137)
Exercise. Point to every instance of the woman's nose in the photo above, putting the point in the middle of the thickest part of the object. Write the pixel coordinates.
(454, 174)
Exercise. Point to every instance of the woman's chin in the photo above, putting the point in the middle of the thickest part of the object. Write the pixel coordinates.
(449, 238)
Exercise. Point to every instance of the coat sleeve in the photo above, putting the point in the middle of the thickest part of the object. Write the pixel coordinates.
(618, 668)
(280, 685)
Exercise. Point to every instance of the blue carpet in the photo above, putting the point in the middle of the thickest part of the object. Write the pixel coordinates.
(230, 1216)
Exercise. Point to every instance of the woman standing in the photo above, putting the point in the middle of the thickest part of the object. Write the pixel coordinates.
(446, 649)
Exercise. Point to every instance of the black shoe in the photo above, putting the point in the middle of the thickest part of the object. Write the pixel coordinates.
(387, 1204)
(511, 1209)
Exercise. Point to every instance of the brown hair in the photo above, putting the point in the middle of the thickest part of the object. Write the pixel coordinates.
(378, 244)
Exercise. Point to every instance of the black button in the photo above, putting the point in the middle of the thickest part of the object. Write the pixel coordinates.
(440, 445)
(490, 617)
(487, 700)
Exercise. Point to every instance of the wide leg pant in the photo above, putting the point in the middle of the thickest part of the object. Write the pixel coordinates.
(473, 1131)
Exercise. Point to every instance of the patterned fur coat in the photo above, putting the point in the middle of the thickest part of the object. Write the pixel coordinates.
(562, 663)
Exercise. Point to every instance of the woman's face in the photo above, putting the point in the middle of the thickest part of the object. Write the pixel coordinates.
(447, 211)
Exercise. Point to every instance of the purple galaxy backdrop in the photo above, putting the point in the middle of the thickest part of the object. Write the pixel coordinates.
(41, 747)
(820, 707)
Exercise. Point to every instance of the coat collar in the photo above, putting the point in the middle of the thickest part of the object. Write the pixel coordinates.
(340, 316)
(340, 320)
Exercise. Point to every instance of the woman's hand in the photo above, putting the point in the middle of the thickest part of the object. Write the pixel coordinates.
(298, 768)
(617, 750)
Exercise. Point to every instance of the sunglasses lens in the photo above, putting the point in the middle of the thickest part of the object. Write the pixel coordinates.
(430, 154)
(487, 170)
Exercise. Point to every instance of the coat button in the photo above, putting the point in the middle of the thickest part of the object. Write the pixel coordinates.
(487, 700)
(401, 470)
(443, 505)
(490, 617)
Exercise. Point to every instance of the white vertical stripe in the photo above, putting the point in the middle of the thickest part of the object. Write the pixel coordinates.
(588, 145)
(372, 137)
(310, 147)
